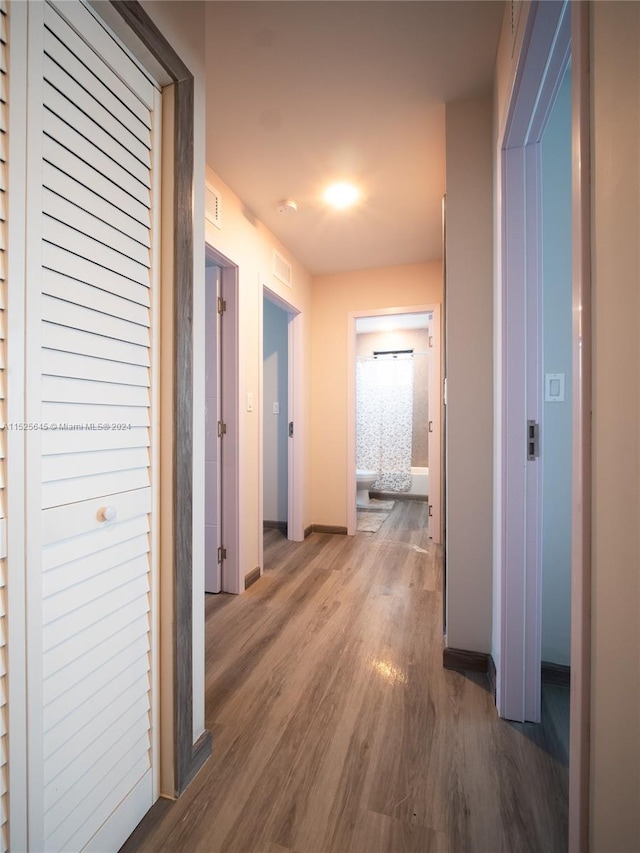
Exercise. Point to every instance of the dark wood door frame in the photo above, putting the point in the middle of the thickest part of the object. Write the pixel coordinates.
(188, 756)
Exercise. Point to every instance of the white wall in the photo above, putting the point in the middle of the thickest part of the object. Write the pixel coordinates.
(246, 242)
(556, 427)
(615, 729)
(469, 347)
(275, 425)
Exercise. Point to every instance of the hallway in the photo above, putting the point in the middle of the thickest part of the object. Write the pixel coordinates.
(335, 727)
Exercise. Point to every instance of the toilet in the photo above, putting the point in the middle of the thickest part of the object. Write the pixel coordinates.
(364, 481)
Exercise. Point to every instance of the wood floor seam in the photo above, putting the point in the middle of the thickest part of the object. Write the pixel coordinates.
(336, 728)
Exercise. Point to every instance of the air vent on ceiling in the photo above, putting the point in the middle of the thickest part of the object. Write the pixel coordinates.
(281, 268)
(213, 206)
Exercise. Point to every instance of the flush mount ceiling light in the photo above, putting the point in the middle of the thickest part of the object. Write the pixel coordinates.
(341, 195)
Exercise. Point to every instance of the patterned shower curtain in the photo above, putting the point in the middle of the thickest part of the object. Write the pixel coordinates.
(384, 420)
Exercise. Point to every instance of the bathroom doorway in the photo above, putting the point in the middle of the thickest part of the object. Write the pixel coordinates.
(395, 414)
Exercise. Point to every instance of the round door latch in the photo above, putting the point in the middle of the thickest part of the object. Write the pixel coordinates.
(107, 513)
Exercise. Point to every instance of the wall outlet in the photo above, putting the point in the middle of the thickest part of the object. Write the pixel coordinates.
(276, 408)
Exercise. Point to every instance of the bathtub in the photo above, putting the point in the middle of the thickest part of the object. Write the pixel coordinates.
(419, 482)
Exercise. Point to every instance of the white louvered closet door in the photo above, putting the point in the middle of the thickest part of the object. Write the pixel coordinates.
(94, 126)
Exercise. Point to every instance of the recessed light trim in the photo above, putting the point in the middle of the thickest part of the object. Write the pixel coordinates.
(341, 195)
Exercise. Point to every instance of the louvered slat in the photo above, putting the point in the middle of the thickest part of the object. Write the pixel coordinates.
(85, 271)
(70, 214)
(108, 59)
(56, 95)
(59, 555)
(86, 199)
(103, 799)
(59, 131)
(89, 667)
(110, 91)
(83, 488)
(71, 465)
(66, 160)
(97, 298)
(75, 737)
(89, 74)
(96, 369)
(112, 348)
(62, 577)
(91, 248)
(83, 618)
(128, 730)
(80, 413)
(86, 440)
(56, 389)
(94, 445)
(74, 316)
(60, 75)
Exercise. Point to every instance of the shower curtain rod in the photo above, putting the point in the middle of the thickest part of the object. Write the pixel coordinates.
(393, 352)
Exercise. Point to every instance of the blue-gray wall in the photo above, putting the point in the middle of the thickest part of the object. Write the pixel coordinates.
(275, 390)
(556, 428)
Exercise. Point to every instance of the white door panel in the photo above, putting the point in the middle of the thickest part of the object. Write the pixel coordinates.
(89, 453)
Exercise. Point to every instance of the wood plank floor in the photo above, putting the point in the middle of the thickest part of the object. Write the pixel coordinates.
(335, 727)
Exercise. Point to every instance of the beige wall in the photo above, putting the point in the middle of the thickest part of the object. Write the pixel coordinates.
(334, 297)
(469, 347)
(615, 726)
(249, 244)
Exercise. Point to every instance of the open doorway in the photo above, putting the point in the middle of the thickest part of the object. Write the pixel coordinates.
(275, 418)
(281, 407)
(543, 497)
(395, 415)
(536, 377)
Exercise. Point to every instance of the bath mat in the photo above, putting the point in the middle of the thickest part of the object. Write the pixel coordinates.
(370, 522)
(380, 506)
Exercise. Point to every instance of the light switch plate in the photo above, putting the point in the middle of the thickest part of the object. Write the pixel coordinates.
(554, 388)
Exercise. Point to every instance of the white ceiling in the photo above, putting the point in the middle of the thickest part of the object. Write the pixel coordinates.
(391, 323)
(302, 93)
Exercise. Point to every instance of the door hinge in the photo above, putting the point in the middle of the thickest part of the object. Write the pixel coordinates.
(430, 341)
(290, 429)
(222, 554)
(430, 426)
(533, 440)
(430, 511)
(222, 305)
(222, 429)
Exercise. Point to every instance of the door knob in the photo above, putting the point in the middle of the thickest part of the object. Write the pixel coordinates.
(107, 513)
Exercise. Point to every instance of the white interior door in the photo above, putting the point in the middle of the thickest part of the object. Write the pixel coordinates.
(435, 428)
(93, 157)
(213, 442)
